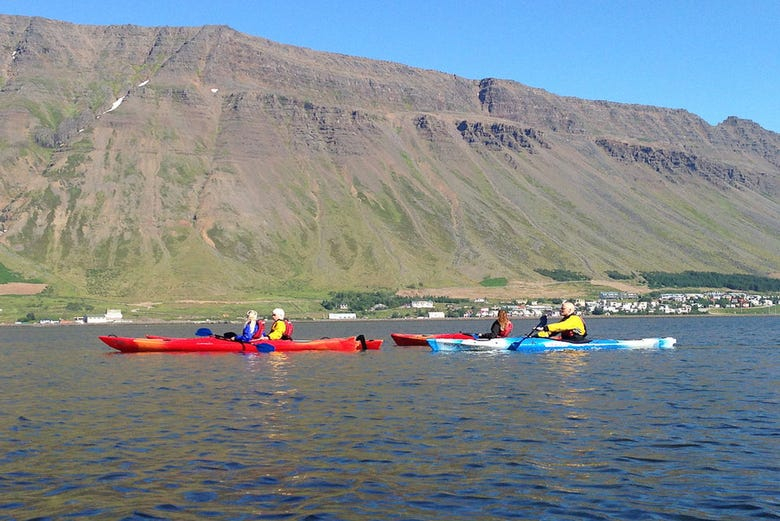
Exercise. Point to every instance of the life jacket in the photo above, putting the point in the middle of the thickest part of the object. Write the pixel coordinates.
(507, 331)
(246, 334)
(259, 332)
(572, 335)
(495, 331)
(288, 330)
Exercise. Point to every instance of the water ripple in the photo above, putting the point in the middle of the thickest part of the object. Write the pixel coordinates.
(687, 434)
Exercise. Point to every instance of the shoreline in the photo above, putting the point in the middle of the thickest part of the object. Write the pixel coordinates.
(358, 320)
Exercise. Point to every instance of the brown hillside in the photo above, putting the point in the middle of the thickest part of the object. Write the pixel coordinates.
(199, 162)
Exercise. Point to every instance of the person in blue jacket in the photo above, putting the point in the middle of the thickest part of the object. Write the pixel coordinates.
(253, 329)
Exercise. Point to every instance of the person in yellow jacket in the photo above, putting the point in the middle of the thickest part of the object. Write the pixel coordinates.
(281, 329)
(570, 327)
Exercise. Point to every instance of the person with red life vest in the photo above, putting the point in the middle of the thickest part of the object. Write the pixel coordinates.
(281, 329)
(253, 329)
(501, 328)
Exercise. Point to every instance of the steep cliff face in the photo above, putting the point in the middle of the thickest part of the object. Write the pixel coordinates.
(190, 161)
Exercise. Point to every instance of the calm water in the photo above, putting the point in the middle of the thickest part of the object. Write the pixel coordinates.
(399, 434)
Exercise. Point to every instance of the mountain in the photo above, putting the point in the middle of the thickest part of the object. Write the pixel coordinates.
(199, 161)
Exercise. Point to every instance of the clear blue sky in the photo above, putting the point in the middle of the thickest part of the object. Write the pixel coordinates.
(715, 58)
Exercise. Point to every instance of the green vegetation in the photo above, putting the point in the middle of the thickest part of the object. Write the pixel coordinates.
(47, 305)
(7, 276)
(768, 310)
(326, 188)
(71, 168)
(710, 279)
(360, 302)
(100, 280)
(495, 282)
(561, 275)
(379, 304)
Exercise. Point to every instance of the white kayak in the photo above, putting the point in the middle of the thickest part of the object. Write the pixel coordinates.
(535, 344)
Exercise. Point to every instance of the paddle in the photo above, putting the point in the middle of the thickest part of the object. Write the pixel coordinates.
(264, 347)
(542, 323)
(204, 331)
(261, 348)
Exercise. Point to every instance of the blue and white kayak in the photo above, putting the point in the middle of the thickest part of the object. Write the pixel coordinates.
(534, 344)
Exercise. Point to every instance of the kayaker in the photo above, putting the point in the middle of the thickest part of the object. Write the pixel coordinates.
(253, 329)
(502, 327)
(281, 329)
(570, 327)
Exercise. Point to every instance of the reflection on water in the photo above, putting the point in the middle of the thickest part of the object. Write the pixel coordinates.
(402, 433)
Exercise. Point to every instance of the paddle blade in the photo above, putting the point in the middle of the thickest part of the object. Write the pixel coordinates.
(265, 348)
(204, 331)
(542, 322)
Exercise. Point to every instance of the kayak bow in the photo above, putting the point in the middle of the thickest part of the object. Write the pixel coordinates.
(414, 339)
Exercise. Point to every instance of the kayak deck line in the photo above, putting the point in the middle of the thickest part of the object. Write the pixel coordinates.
(213, 344)
(536, 344)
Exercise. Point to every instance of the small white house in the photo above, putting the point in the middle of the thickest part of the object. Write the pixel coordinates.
(114, 315)
(342, 316)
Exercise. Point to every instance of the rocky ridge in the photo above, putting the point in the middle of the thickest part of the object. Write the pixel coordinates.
(142, 161)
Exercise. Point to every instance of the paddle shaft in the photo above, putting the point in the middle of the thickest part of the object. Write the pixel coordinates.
(261, 347)
(542, 323)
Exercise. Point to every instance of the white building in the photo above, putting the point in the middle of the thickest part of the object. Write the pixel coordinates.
(342, 316)
(112, 315)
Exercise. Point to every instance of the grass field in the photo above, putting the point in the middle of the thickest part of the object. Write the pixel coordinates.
(28, 307)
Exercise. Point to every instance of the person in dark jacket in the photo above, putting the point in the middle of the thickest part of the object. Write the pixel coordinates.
(502, 326)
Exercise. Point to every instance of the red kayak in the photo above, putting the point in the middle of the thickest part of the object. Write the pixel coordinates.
(412, 339)
(213, 344)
